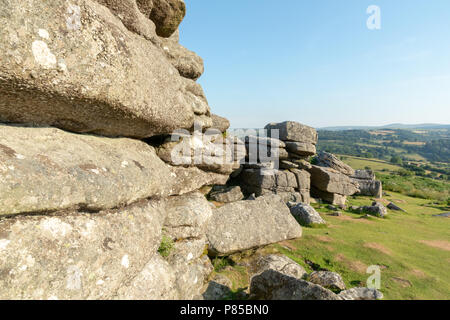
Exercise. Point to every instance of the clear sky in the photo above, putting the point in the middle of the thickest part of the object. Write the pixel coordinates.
(316, 62)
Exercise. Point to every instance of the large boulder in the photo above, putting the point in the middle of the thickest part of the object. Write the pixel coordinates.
(132, 17)
(187, 216)
(361, 293)
(301, 148)
(167, 15)
(192, 178)
(76, 66)
(332, 181)
(275, 285)
(293, 131)
(226, 194)
(368, 186)
(78, 255)
(282, 264)
(325, 159)
(220, 123)
(209, 152)
(306, 215)
(372, 188)
(328, 197)
(47, 169)
(244, 225)
(327, 279)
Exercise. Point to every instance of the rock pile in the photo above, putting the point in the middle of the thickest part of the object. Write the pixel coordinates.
(368, 185)
(280, 163)
(286, 147)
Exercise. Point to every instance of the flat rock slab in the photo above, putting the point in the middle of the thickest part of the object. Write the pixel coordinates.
(76, 66)
(47, 169)
(77, 256)
(247, 224)
(275, 285)
(332, 181)
(293, 131)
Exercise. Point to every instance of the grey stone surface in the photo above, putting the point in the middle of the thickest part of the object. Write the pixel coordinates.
(332, 198)
(167, 15)
(220, 123)
(77, 255)
(326, 159)
(306, 215)
(294, 131)
(65, 170)
(247, 224)
(301, 148)
(192, 178)
(76, 66)
(274, 285)
(332, 181)
(227, 195)
(187, 216)
(281, 264)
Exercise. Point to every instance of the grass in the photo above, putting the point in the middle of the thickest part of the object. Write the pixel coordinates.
(411, 248)
(166, 246)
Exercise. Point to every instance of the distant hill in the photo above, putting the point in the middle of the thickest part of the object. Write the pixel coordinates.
(427, 126)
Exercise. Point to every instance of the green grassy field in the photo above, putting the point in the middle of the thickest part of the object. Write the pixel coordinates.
(412, 249)
(414, 186)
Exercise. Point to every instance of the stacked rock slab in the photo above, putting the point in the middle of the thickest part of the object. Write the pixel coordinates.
(81, 67)
(368, 185)
(83, 202)
(274, 163)
(330, 179)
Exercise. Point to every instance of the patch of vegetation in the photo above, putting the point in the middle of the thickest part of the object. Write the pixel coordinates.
(410, 248)
(166, 246)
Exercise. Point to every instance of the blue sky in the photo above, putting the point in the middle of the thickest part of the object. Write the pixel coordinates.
(316, 62)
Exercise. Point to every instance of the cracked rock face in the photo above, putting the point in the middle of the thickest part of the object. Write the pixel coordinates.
(64, 170)
(80, 67)
(246, 224)
(77, 255)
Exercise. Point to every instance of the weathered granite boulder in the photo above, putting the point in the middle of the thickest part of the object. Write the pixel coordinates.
(306, 215)
(301, 148)
(226, 194)
(368, 186)
(167, 15)
(364, 175)
(209, 152)
(192, 178)
(187, 216)
(376, 209)
(65, 170)
(247, 224)
(132, 18)
(274, 285)
(294, 131)
(281, 264)
(76, 66)
(188, 64)
(327, 279)
(361, 294)
(332, 181)
(220, 123)
(219, 288)
(77, 255)
(332, 198)
(326, 159)
(394, 207)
